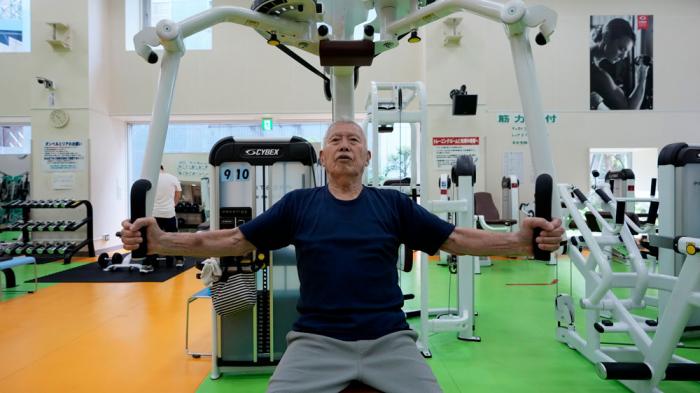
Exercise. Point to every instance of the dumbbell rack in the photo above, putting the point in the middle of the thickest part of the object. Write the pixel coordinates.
(49, 250)
(189, 215)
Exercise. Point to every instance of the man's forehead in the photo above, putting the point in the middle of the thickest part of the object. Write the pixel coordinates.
(345, 128)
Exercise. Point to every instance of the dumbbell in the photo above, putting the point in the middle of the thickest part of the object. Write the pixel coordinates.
(53, 225)
(51, 249)
(29, 225)
(62, 203)
(41, 226)
(41, 248)
(17, 225)
(66, 226)
(29, 249)
(9, 249)
(38, 226)
(19, 250)
(643, 59)
(64, 248)
(104, 260)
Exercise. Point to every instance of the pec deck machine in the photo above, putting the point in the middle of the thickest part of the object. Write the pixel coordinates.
(326, 29)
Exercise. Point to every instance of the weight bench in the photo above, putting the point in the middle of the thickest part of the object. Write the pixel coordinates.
(6, 267)
(204, 293)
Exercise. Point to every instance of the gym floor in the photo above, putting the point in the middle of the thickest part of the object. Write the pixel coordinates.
(129, 337)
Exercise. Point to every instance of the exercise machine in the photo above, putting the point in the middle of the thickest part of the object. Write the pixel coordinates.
(326, 29)
(251, 175)
(621, 183)
(461, 318)
(388, 105)
(679, 202)
(650, 359)
(510, 200)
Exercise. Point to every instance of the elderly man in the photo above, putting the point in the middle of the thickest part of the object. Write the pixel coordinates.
(347, 237)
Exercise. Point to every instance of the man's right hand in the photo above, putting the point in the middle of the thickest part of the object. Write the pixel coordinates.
(131, 235)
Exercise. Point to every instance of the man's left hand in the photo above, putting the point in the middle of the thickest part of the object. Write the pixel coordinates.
(550, 237)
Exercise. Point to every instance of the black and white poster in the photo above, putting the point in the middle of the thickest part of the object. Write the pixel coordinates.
(622, 62)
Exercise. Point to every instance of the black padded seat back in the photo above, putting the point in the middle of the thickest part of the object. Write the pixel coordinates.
(484, 206)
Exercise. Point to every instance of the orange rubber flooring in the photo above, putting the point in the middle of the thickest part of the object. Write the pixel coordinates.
(104, 337)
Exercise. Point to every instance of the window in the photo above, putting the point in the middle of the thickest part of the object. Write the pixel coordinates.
(15, 29)
(142, 13)
(200, 137)
(15, 139)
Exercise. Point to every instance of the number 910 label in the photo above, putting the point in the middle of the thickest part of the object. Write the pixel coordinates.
(234, 173)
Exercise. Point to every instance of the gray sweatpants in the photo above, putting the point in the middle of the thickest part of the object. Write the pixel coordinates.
(319, 364)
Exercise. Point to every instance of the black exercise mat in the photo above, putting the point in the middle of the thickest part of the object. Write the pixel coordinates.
(91, 272)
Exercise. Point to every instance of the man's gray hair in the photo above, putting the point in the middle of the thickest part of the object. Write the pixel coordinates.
(344, 122)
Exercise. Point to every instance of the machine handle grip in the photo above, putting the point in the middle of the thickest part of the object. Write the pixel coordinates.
(543, 208)
(601, 193)
(138, 210)
(652, 192)
(620, 213)
(580, 195)
(653, 213)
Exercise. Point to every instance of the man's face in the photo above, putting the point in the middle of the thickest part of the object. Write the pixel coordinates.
(345, 151)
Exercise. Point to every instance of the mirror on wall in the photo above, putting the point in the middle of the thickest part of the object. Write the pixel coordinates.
(15, 168)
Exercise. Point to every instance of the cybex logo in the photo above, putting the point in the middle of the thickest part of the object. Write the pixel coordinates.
(262, 152)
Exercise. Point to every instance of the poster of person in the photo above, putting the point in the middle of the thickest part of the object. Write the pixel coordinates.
(621, 62)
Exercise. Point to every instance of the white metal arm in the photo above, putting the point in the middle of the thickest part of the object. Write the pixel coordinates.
(170, 34)
(516, 17)
(394, 18)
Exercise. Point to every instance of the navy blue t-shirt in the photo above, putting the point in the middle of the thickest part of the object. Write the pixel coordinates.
(346, 256)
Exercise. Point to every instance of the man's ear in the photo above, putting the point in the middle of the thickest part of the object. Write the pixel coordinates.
(369, 157)
(320, 158)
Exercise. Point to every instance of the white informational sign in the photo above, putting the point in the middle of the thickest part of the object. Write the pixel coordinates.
(63, 181)
(513, 164)
(63, 156)
(192, 169)
(448, 148)
(518, 128)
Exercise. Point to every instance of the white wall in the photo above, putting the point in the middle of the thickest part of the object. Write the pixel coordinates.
(563, 71)
(241, 75)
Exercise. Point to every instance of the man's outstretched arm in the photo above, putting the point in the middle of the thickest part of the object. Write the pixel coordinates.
(470, 241)
(224, 242)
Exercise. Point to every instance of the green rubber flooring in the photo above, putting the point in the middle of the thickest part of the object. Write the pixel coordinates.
(518, 351)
